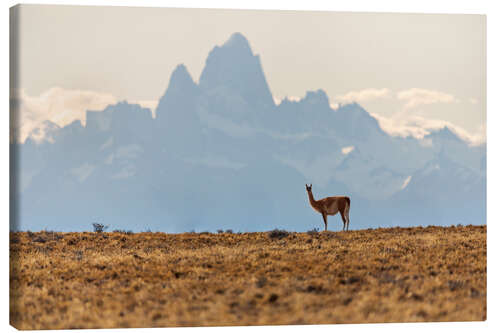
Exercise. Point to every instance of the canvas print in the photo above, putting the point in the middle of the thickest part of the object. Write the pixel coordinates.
(217, 167)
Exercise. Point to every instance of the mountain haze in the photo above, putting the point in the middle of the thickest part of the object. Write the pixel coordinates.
(219, 154)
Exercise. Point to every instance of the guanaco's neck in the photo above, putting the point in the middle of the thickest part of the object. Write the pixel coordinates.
(311, 198)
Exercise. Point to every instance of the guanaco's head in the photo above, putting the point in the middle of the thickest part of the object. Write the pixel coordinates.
(309, 187)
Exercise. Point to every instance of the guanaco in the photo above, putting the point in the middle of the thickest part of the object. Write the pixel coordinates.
(331, 206)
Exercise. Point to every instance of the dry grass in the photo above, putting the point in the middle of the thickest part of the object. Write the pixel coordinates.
(90, 280)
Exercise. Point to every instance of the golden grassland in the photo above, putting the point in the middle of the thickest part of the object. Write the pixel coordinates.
(106, 280)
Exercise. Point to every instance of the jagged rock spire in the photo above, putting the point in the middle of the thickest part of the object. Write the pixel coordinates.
(235, 68)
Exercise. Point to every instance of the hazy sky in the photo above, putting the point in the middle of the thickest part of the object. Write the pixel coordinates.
(411, 71)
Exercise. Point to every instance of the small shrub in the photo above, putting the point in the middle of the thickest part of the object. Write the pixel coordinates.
(273, 298)
(229, 231)
(278, 234)
(455, 285)
(126, 232)
(220, 231)
(78, 255)
(39, 240)
(313, 231)
(98, 227)
(51, 235)
(261, 282)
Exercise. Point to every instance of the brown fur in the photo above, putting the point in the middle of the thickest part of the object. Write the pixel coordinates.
(331, 206)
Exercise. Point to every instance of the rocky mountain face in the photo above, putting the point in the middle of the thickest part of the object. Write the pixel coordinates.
(221, 155)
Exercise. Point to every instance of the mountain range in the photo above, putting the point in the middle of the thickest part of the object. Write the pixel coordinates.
(220, 154)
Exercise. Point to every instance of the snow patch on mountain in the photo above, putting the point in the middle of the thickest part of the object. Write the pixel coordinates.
(347, 150)
(406, 182)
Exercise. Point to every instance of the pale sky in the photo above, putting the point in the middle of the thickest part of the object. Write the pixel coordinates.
(413, 72)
